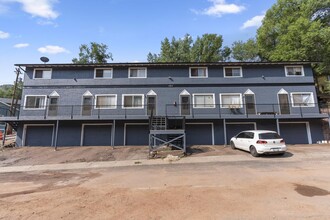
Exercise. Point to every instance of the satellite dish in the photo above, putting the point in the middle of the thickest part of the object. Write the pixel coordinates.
(44, 59)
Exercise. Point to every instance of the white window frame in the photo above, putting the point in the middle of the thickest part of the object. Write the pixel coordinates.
(294, 66)
(103, 69)
(123, 98)
(198, 67)
(43, 107)
(230, 67)
(240, 97)
(297, 93)
(43, 69)
(205, 94)
(129, 72)
(105, 95)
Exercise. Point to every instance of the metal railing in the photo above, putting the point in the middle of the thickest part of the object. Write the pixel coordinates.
(186, 110)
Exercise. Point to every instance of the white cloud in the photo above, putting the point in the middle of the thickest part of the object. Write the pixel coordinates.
(256, 21)
(37, 8)
(4, 35)
(21, 45)
(220, 7)
(51, 49)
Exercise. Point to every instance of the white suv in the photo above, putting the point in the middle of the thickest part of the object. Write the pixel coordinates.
(259, 142)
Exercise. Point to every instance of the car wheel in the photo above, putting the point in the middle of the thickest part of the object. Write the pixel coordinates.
(232, 145)
(253, 151)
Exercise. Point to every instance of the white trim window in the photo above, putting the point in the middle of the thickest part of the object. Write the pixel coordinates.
(204, 100)
(231, 100)
(106, 101)
(198, 72)
(103, 73)
(35, 102)
(232, 71)
(42, 73)
(137, 72)
(302, 99)
(133, 101)
(294, 71)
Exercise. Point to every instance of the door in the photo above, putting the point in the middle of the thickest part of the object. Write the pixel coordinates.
(53, 106)
(39, 135)
(284, 104)
(97, 135)
(151, 105)
(199, 134)
(87, 106)
(295, 133)
(137, 134)
(185, 105)
(250, 106)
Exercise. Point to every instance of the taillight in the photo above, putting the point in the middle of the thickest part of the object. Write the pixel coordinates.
(282, 141)
(261, 142)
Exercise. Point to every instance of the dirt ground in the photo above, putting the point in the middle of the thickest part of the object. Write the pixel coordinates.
(264, 188)
(20, 156)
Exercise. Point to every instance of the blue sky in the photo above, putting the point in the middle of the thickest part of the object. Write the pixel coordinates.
(30, 29)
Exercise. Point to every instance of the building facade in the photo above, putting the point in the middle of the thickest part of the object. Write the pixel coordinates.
(111, 104)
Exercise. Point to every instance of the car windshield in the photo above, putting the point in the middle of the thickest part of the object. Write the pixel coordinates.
(269, 135)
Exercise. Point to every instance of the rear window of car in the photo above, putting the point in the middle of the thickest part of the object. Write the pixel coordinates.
(269, 136)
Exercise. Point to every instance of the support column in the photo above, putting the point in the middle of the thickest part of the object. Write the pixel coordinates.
(224, 131)
(278, 126)
(113, 133)
(56, 134)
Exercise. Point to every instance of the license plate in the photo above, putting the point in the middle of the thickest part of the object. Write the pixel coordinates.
(275, 149)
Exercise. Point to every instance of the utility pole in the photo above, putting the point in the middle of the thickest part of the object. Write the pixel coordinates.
(12, 107)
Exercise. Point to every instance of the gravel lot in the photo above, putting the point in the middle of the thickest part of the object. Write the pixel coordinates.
(296, 186)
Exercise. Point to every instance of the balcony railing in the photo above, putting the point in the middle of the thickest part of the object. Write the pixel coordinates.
(187, 110)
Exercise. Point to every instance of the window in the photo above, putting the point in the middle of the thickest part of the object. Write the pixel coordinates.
(137, 72)
(133, 101)
(105, 101)
(35, 102)
(246, 135)
(203, 101)
(232, 71)
(269, 135)
(305, 99)
(102, 73)
(198, 72)
(231, 100)
(42, 74)
(294, 71)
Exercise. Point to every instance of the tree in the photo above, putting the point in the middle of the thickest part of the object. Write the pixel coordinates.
(292, 32)
(205, 49)
(245, 51)
(93, 53)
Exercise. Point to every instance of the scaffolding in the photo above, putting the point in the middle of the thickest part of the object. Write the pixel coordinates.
(168, 132)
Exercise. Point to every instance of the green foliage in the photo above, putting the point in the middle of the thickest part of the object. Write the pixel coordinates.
(205, 49)
(7, 91)
(93, 53)
(245, 51)
(289, 33)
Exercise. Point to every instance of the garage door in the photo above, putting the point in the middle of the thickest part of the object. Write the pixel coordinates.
(96, 135)
(294, 133)
(199, 134)
(233, 129)
(137, 134)
(39, 135)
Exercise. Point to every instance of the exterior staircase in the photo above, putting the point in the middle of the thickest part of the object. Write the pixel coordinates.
(158, 123)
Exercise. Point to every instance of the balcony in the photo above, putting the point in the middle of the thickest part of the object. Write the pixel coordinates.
(211, 111)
